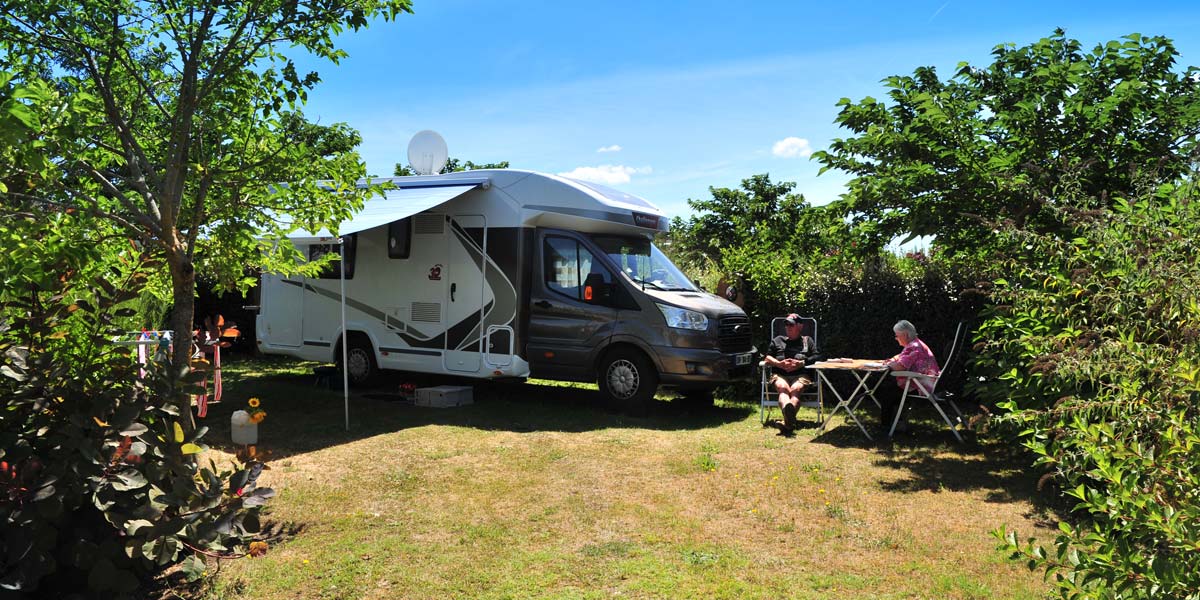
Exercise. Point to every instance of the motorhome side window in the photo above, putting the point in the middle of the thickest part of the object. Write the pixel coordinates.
(400, 238)
(333, 269)
(567, 265)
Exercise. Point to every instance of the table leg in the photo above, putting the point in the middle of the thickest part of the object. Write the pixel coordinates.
(862, 386)
(820, 401)
(822, 383)
(869, 391)
(842, 402)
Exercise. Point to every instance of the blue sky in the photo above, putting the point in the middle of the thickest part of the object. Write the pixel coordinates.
(665, 99)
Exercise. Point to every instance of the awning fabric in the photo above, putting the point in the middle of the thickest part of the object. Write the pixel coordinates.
(395, 205)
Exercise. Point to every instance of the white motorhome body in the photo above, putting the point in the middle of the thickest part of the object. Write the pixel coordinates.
(506, 274)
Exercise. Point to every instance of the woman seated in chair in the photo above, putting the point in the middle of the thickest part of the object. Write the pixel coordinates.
(915, 357)
(786, 358)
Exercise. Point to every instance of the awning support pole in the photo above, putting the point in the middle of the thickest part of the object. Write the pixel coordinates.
(345, 342)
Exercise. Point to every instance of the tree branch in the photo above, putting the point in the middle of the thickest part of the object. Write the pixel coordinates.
(91, 208)
(134, 155)
(149, 221)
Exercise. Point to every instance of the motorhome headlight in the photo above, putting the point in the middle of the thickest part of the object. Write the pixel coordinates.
(683, 318)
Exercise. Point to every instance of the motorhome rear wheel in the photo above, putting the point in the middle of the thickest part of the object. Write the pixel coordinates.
(361, 360)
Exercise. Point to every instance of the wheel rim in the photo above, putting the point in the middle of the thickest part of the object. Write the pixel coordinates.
(623, 379)
(359, 364)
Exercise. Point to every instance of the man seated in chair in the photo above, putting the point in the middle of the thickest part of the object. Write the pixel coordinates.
(915, 357)
(787, 357)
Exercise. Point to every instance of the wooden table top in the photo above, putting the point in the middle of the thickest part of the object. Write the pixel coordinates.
(851, 364)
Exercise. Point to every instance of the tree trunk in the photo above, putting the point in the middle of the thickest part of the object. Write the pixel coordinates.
(183, 285)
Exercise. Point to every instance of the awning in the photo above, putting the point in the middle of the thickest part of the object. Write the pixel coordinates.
(396, 204)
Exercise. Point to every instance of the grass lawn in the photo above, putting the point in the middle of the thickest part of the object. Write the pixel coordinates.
(535, 491)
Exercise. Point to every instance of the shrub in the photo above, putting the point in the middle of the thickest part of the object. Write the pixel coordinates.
(1093, 351)
(856, 304)
(100, 487)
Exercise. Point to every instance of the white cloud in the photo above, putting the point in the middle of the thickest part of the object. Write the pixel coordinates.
(612, 148)
(606, 174)
(792, 147)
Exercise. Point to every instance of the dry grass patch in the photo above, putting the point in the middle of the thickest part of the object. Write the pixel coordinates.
(537, 492)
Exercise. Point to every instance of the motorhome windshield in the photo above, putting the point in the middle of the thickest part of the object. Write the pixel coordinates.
(642, 262)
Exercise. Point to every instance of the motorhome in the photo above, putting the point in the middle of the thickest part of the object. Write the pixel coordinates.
(508, 274)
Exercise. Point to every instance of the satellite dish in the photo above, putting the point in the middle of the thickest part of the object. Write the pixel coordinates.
(427, 152)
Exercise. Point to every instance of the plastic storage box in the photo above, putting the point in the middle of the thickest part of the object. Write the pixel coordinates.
(444, 396)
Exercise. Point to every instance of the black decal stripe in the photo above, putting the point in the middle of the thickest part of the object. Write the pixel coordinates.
(599, 215)
(464, 329)
(411, 351)
(389, 321)
(470, 341)
(336, 297)
(319, 344)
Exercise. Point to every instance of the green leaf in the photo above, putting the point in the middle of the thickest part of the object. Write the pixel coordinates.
(193, 567)
(178, 433)
(129, 479)
(134, 430)
(191, 449)
(258, 497)
(133, 526)
(23, 114)
(44, 492)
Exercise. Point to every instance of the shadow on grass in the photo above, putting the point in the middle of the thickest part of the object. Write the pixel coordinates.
(929, 458)
(303, 416)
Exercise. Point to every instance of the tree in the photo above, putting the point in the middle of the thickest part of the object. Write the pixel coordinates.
(761, 235)
(452, 166)
(188, 134)
(994, 143)
(762, 213)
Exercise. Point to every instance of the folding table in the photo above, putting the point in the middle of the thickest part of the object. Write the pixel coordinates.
(862, 369)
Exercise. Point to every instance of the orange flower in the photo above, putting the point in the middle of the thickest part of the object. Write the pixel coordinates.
(258, 548)
(253, 402)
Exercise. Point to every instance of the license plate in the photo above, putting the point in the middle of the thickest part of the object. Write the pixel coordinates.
(743, 359)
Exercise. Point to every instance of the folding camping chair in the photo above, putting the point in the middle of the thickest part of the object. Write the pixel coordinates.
(769, 398)
(919, 385)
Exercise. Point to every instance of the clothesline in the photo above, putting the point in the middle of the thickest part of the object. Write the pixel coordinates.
(162, 340)
(145, 337)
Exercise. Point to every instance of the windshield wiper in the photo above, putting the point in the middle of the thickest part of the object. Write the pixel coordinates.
(646, 282)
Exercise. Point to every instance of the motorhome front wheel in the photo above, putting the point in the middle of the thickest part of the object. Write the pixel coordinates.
(628, 380)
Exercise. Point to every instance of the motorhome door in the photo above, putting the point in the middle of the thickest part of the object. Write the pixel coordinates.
(565, 325)
(282, 309)
(466, 241)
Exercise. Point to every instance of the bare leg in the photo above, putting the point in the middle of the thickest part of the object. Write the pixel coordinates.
(788, 402)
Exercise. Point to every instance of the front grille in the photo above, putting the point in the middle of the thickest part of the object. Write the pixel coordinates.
(733, 334)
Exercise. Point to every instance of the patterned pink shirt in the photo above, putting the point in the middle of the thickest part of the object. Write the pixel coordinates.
(915, 357)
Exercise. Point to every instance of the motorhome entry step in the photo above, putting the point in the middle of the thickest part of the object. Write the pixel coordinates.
(444, 396)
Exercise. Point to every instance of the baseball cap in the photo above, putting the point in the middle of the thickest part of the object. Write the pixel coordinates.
(793, 319)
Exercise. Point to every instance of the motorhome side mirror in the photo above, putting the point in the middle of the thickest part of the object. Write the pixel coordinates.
(595, 289)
